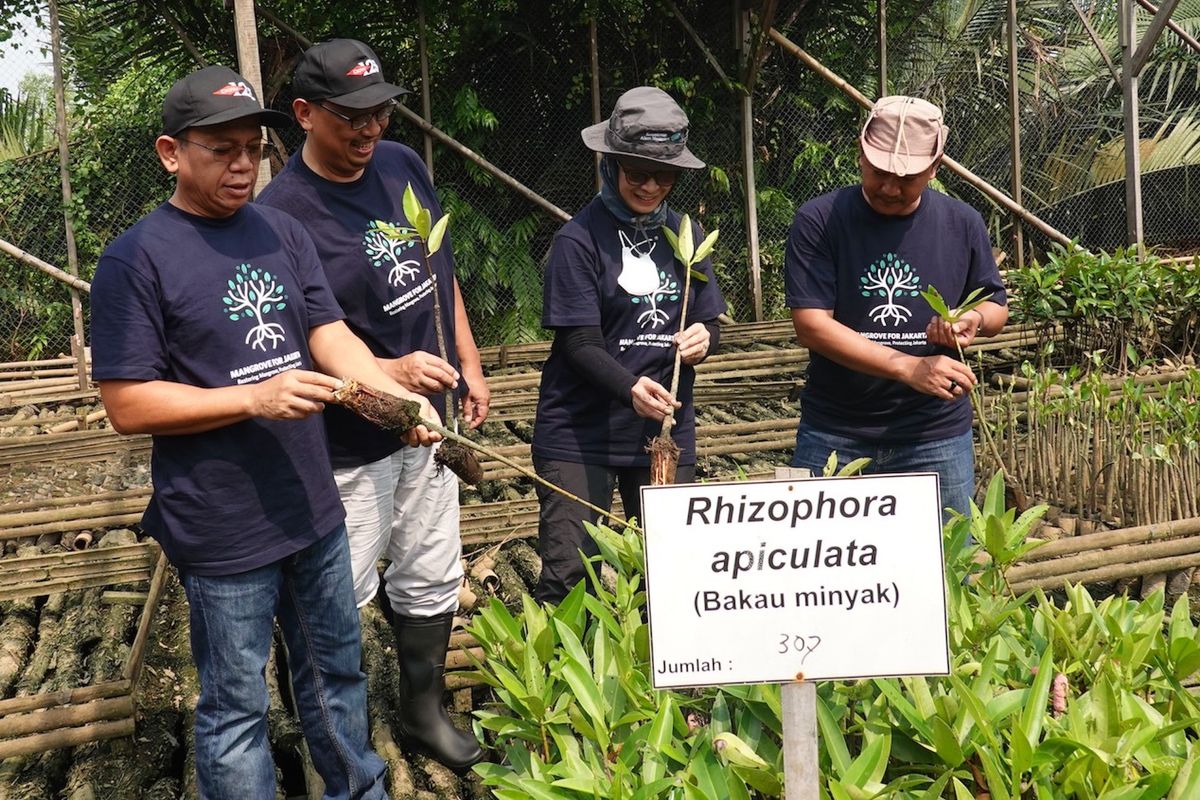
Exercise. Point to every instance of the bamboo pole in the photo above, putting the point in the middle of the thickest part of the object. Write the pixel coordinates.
(54, 272)
(133, 667)
(991, 192)
(881, 10)
(1109, 573)
(85, 694)
(699, 42)
(1014, 123)
(44, 362)
(1183, 35)
(749, 185)
(1134, 234)
(1093, 559)
(72, 716)
(115, 520)
(74, 583)
(64, 160)
(426, 103)
(123, 505)
(66, 737)
(594, 64)
(1140, 534)
(482, 162)
(74, 568)
(1096, 40)
(245, 29)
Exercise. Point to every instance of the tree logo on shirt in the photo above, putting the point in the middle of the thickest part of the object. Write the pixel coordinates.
(893, 279)
(383, 250)
(253, 294)
(668, 289)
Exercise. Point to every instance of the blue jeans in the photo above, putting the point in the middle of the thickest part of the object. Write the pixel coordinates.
(952, 459)
(232, 619)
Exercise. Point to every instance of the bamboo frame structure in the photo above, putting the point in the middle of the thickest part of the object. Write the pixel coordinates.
(50, 720)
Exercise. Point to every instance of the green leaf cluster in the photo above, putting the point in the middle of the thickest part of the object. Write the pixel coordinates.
(685, 249)
(1121, 305)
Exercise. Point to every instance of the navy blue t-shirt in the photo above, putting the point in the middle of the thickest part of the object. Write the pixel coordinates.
(869, 268)
(383, 286)
(214, 303)
(629, 283)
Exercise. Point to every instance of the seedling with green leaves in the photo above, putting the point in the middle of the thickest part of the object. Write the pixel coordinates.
(430, 235)
(952, 315)
(664, 453)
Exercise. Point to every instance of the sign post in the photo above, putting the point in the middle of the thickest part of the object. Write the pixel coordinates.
(794, 581)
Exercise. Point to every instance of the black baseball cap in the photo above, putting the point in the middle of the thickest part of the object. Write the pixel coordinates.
(344, 71)
(211, 96)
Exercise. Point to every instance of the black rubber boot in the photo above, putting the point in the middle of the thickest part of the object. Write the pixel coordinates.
(421, 644)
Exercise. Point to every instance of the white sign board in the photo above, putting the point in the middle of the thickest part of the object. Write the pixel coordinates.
(771, 581)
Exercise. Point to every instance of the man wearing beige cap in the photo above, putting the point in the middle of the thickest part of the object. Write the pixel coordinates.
(885, 381)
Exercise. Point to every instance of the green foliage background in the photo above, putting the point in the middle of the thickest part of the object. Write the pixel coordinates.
(512, 80)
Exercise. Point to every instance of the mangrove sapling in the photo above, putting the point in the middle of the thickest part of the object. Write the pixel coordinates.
(664, 453)
(429, 234)
(952, 315)
(397, 416)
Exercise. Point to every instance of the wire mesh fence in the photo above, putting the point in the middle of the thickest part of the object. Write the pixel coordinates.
(521, 105)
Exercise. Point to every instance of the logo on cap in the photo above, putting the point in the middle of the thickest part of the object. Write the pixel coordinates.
(364, 68)
(661, 136)
(235, 89)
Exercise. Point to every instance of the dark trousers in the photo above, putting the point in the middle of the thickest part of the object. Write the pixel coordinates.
(561, 534)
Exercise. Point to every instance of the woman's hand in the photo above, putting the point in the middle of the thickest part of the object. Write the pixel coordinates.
(692, 343)
(651, 400)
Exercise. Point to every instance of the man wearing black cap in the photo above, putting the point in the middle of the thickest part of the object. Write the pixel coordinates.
(346, 185)
(210, 321)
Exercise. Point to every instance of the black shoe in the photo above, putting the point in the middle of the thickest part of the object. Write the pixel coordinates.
(421, 644)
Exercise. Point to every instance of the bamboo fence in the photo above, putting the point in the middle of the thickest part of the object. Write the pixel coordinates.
(38, 722)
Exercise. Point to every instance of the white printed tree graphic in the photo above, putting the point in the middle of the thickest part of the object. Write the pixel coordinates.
(668, 289)
(381, 249)
(892, 279)
(253, 294)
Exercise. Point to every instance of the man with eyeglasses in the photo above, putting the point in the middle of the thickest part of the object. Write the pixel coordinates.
(215, 331)
(346, 184)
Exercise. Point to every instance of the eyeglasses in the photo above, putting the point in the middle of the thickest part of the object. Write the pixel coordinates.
(360, 121)
(663, 177)
(229, 153)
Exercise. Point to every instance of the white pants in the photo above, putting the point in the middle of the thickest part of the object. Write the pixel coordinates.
(404, 507)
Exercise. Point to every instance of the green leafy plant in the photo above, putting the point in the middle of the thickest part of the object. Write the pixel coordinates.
(1076, 699)
(575, 715)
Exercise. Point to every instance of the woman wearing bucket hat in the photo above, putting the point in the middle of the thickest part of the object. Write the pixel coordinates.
(613, 296)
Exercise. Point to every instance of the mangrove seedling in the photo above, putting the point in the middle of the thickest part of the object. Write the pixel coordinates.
(459, 459)
(952, 315)
(664, 453)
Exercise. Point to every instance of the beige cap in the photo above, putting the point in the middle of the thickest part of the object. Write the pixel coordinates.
(903, 135)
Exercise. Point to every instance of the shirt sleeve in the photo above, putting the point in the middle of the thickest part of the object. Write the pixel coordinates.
(571, 292)
(809, 274)
(127, 331)
(583, 347)
(319, 301)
